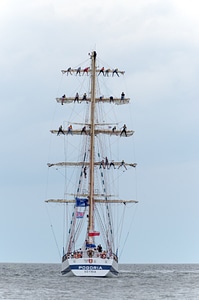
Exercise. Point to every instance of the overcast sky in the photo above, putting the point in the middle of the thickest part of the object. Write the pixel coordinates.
(157, 43)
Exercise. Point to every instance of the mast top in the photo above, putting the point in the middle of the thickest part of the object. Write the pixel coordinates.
(94, 54)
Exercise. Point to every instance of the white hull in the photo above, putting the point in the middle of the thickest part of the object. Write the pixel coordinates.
(90, 267)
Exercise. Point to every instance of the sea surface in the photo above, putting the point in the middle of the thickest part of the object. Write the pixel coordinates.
(140, 282)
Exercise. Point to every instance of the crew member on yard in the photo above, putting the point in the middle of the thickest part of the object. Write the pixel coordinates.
(78, 71)
(86, 70)
(115, 72)
(70, 129)
(84, 97)
(101, 71)
(112, 164)
(84, 130)
(60, 130)
(85, 173)
(122, 164)
(124, 130)
(69, 71)
(76, 97)
(122, 96)
(62, 99)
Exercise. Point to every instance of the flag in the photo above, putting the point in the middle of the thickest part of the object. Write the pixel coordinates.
(81, 202)
(90, 246)
(79, 214)
(94, 233)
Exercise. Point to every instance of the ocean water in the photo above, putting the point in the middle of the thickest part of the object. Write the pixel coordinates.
(140, 282)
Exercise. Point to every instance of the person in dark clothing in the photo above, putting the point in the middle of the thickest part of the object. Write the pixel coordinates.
(122, 96)
(115, 72)
(124, 128)
(122, 164)
(62, 99)
(84, 130)
(106, 162)
(69, 71)
(99, 248)
(84, 97)
(76, 97)
(111, 99)
(78, 71)
(112, 164)
(107, 72)
(102, 164)
(85, 173)
(101, 71)
(60, 130)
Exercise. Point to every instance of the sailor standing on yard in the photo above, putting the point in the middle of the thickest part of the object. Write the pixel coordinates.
(112, 164)
(107, 72)
(101, 71)
(76, 97)
(124, 128)
(106, 162)
(84, 130)
(122, 95)
(84, 97)
(86, 70)
(69, 71)
(115, 72)
(60, 130)
(78, 71)
(102, 164)
(122, 164)
(70, 129)
(62, 99)
(85, 173)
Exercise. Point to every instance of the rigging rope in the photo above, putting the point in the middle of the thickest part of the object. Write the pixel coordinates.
(54, 236)
(130, 226)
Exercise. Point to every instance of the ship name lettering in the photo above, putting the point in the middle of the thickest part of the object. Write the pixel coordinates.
(90, 268)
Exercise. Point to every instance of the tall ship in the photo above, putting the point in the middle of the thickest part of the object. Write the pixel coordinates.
(91, 170)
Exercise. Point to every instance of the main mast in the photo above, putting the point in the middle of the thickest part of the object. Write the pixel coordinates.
(92, 146)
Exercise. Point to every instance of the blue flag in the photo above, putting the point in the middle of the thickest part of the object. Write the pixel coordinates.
(81, 202)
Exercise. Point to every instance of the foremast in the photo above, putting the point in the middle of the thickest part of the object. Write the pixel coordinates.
(92, 148)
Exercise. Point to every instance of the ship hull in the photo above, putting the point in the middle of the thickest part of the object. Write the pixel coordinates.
(84, 267)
